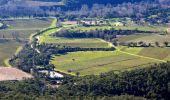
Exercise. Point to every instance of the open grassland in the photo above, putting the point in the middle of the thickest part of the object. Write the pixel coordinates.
(72, 42)
(10, 34)
(24, 24)
(127, 27)
(20, 28)
(7, 49)
(147, 38)
(83, 43)
(142, 28)
(153, 52)
(98, 62)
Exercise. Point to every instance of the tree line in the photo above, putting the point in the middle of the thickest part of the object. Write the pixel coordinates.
(106, 34)
(152, 82)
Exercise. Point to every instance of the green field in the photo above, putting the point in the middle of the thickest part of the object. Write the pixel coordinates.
(101, 61)
(147, 38)
(98, 62)
(7, 49)
(153, 52)
(23, 24)
(20, 28)
(83, 43)
(127, 27)
(73, 42)
(142, 28)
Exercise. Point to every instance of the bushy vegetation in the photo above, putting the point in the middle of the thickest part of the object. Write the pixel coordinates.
(151, 83)
(103, 34)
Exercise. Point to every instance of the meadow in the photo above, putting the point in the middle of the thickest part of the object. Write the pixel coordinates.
(72, 42)
(97, 62)
(20, 28)
(124, 27)
(147, 38)
(153, 52)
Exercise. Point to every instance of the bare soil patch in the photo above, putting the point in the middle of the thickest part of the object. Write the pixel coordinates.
(8, 73)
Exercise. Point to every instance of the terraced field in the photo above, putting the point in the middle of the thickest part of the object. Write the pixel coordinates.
(98, 62)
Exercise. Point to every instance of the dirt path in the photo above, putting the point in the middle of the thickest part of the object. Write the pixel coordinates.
(110, 44)
(141, 56)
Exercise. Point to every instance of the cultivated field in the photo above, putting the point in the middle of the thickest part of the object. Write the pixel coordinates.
(98, 62)
(23, 24)
(7, 74)
(153, 52)
(18, 28)
(147, 38)
(83, 42)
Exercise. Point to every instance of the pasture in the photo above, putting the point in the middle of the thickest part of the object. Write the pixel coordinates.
(147, 38)
(98, 62)
(18, 28)
(153, 52)
(24, 24)
(121, 27)
(7, 49)
(72, 42)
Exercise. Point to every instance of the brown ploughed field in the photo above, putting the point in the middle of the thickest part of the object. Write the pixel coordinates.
(8, 73)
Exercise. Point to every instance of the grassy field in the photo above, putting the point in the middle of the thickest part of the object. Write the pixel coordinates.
(142, 28)
(98, 62)
(147, 38)
(127, 27)
(7, 49)
(83, 42)
(23, 24)
(153, 52)
(21, 28)
(24, 34)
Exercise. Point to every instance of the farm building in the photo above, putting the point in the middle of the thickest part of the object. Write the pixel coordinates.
(118, 24)
(92, 22)
(52, 74)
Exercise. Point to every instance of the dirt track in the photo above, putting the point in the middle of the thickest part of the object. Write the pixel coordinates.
(8, 73)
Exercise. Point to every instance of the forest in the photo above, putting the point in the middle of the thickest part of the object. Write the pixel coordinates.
(151, 83)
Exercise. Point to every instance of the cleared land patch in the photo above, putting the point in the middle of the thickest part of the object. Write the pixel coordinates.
(7, 49)
(7, 74)
(27, 23)
(153, 52)
(83, 43)
(147, 38)
(18, 28)
(98, 62)
(73, 42)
